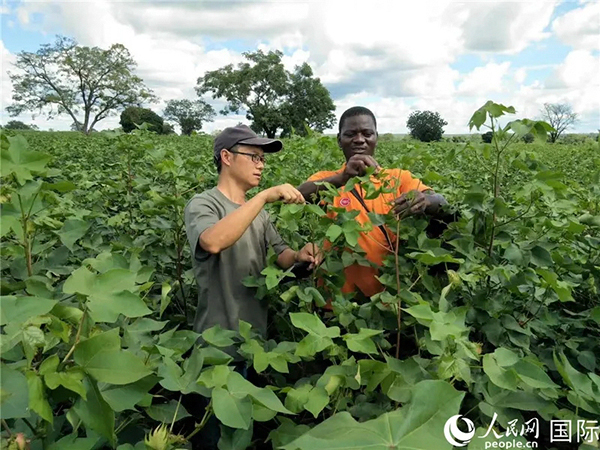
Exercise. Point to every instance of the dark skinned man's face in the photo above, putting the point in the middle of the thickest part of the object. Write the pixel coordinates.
(358, 136)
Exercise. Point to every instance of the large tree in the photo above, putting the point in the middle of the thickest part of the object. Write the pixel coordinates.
(87, 83)
(274, 99)
(133, 115)
(560, 116)
(426, 126)
(189, 115)
(309, 103)
(18, 125)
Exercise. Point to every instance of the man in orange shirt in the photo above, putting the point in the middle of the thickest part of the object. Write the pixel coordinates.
(357, 138)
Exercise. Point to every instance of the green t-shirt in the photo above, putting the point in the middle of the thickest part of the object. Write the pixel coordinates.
(222, 298)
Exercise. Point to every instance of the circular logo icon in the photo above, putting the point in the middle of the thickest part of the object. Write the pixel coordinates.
(345, 202)
(456, 437)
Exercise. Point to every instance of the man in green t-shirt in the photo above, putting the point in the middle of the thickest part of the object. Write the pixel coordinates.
(229, 235)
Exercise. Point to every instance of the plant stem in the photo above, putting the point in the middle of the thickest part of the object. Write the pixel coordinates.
(6, 427)
(399, 304)
(25, 243)
(496, 189)
(77, 336)
(205, 418)
(175, 415)
(28, 423)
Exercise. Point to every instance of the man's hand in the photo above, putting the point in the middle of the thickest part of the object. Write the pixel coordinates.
(310, 253)
(411, 203)
(357, 166)
(284, 192)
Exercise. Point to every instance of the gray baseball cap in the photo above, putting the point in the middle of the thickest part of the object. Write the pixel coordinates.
(242, 134)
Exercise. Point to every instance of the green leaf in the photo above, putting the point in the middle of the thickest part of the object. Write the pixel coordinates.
(219, 337)
(315, 209)
(214, 356)
(317, 401)
(165, 299)
(506, 379)
(235, 439)
(541, 257)
(362, 342)
(287, 432)
(505, 357)
(101, 357)
(533, 376)
(261, 413)
(576, 380)
(435, 256)
(49, 365)
(60, 186)
(418, 426)
(14, 394)
(16, 310)
(72, 442)
(106, 306)
(166, 412)
(215, 376)
(514, 254)
(333, 232)
(110, 293)
(20, 161)
(72, 230)
(526, 401)
(313, 325)
(319, 337)
(239, 387)
(230, 410)
(121, 398)
(37, 397)
(179, 340)
(81, 281)
(95, 413)
(69, 380)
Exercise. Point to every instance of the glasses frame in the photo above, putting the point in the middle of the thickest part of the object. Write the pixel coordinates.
(255, 157)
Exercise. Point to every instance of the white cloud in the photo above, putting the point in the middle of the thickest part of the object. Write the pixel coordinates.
(393, 57)
(485, 79)
(23, 16)
(520, 75)
(7, 60)
(504, 27)
(580, 28)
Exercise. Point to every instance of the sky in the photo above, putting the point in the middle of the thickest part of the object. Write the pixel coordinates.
(393, 57)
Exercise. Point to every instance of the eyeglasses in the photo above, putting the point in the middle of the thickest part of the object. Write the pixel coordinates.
(255, 157)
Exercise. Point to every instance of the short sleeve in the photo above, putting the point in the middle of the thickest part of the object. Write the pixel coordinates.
(409, 183)
(199, 215)
(272, 236)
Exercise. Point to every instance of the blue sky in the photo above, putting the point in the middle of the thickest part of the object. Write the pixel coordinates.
(394, 58)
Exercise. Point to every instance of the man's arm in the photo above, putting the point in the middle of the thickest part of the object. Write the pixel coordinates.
(309, 189)
(426, 202)
(434, 203)
(230, 228)
(355, 167)
(309, 253)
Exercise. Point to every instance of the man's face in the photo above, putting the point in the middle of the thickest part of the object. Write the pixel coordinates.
(358, 136)
(244, 168)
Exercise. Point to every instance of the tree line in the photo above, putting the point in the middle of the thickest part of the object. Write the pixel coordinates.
(90, 84)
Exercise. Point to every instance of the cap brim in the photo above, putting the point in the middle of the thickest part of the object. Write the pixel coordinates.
(268, 145)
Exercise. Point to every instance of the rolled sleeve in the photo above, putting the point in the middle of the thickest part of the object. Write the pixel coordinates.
(199, 215)
(272, 236)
